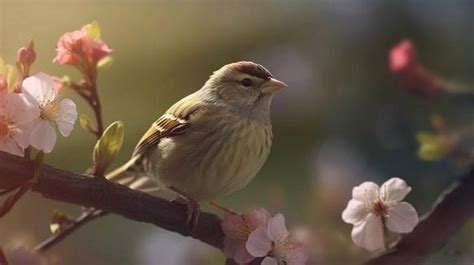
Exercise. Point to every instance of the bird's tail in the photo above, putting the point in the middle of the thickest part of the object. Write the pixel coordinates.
(131, 176)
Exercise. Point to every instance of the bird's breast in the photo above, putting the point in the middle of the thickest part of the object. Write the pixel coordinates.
(214, 158)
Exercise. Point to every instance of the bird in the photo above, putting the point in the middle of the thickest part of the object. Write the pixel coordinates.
(212, 142)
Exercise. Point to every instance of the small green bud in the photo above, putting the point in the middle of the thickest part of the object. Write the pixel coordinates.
(86, 123)
(108, 147)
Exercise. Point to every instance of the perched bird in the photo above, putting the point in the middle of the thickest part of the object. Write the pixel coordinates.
(210, 143)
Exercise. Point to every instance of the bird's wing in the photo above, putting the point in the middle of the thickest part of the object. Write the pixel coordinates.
(174, 122)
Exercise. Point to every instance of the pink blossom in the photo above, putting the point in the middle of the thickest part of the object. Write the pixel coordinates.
(15, 115)
(78, 47)
(275, 243)
(237, 229)
(410, 73)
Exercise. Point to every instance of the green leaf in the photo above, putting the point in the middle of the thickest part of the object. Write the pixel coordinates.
(86, 123)
(432, 147)
(105, 63)
(108, 147)
(93, 30)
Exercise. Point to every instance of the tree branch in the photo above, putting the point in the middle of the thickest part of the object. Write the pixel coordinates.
(450, 212)
(78, 189)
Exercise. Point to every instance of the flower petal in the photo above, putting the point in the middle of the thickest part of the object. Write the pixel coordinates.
(258, 217)
(258, 244)
(241, 255)
(402, 218)
(43, 136)
(276, 229)
(18, 108)
(40, 87)
(67, 116)
(236, 250)
(394, 189)
(355, 212)
(365, 191)
(8, 145)
(269, 261)
(22, 135)
(369, 233)
(231, 224)
(299, 255)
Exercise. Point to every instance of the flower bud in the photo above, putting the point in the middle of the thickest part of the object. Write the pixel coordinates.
(26, 55)
(410, 73)
(107, 147)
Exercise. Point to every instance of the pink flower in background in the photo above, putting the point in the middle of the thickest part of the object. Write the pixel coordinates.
(403, 57)
(237, 229)
(78, 47)
(410, 73)
(41, 93)
(20, 255)
(373, 209)
(275, 244)
(69, 47)
(15, 115)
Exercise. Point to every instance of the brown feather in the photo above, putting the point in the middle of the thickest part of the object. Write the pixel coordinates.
(252, 69)
(173, 122)
(163, 127)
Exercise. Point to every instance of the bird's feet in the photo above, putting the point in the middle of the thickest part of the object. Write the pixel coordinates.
(192, 211)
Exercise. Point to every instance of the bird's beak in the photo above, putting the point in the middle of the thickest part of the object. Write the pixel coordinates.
(273, 85)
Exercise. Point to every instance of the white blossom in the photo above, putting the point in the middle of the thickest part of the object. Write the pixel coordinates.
(375, 212)
(41, 93)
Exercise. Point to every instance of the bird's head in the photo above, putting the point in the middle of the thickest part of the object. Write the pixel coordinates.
(243, 85)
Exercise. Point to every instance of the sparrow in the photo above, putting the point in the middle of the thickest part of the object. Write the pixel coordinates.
(212, 142)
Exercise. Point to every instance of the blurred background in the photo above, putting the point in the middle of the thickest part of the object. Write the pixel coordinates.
(343, 119)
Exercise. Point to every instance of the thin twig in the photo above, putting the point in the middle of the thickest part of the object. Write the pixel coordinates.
(85, 217)
(96, 106)
(6, 191)
(12, 200)
(3, 259)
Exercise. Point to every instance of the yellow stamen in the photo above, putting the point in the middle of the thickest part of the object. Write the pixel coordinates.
(50, 111)
(4, 127)
(244, 230)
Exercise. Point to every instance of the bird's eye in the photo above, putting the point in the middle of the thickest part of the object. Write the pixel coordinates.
(246, 82)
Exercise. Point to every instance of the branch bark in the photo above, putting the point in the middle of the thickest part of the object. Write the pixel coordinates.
(451, 211)
(83, 190)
